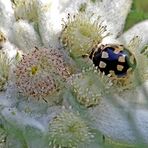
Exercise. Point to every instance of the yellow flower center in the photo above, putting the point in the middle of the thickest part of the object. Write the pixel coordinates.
(85, 31)
(34, 70)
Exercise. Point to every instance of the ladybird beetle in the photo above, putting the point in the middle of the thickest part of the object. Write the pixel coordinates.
(113, 58)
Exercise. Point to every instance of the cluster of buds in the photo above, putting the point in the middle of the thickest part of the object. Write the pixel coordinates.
(90, 86)
(69, 130)
(80, 34)
(41, 72)
(25, 9)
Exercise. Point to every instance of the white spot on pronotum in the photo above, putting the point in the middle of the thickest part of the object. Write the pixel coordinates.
(104, 55)
(102, 64)
(120, 67)
(121, 59)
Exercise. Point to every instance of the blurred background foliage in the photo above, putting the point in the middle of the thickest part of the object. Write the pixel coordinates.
(138, 13)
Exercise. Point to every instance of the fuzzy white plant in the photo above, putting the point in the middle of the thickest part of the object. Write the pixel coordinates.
(49, 17)
(27, 24)
(6, 15)
(24, 32)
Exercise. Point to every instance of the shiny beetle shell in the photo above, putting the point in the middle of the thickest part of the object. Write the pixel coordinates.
(113, 58)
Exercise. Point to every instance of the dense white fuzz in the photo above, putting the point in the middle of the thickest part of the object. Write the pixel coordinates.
(6, 15)
(49, 21)
(10, 49)
(117, 117)
(73, 6)
(21, 119)
(140, 30)
(25, 36)
(114, 12)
